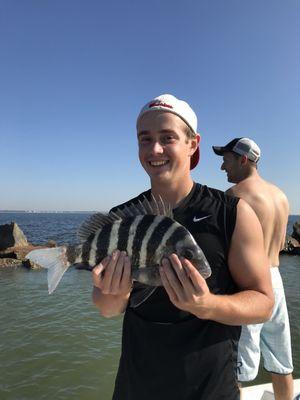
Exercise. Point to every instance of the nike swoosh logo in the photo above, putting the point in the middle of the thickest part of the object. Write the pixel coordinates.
(195, 219)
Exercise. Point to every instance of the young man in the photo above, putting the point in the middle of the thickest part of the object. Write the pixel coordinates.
(181, 343)
(270, 204)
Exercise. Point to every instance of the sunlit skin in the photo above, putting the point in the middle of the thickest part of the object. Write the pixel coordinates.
(232, 166)
(186, 288)
(164, 149)
(112, 288)
(271, 207)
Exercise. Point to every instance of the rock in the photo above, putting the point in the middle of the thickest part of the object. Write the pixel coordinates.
(14, 263)
(291, 246)
(296, 231)
(30, 265)
(10, 263)
(295, 251)
(18, 254)
(51, 243)
(14, 247)
(11, 235)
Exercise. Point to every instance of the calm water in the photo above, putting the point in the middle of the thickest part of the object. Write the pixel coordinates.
(58, 347)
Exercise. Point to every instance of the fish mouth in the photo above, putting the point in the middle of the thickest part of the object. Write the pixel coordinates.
(160, 163)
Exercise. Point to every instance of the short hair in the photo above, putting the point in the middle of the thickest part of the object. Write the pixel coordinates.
(236, 155)
(189, 132)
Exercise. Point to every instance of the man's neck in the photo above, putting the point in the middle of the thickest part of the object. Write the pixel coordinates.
(252, 173)
(173, 193)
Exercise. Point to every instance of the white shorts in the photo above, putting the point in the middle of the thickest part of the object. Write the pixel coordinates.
(272, 339)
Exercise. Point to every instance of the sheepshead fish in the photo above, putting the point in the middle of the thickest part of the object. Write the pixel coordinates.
(146, 231)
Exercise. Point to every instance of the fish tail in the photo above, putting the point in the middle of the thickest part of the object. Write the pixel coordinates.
(54, 260)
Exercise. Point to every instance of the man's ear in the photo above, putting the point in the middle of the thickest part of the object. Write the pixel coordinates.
(196, 141)
(244, 159)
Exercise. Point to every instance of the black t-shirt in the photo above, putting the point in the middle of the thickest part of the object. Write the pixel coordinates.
(168, 353)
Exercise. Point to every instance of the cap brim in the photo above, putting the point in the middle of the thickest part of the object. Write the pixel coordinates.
(219, 150)
(195, 158)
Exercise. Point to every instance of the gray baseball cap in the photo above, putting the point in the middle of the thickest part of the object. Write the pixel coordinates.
(240, 146)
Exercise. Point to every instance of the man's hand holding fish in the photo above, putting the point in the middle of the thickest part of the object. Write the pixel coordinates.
(185, 286)
(112, 278)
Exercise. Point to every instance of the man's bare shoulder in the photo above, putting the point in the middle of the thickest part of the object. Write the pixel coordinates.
(278, 193)
(255, 192)
(257, 188)
(245, 187)
(262, 196)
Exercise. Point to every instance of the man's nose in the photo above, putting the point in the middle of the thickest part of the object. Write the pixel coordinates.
(157, 148)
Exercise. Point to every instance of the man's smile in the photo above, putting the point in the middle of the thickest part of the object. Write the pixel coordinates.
(158, 163)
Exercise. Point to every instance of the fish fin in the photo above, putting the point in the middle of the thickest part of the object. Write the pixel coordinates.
(127, 211)
(54, 260)
(159, 206)
(94, 223)
(154, 206)
(141, 295)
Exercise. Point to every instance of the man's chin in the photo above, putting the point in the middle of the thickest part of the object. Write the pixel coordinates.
(158, 171)
(232, 180)
(162, 176)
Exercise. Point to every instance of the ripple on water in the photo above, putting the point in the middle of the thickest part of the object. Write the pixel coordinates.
(57, 344)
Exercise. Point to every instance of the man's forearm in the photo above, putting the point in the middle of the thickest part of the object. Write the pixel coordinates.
(247, 307)
(108, 304)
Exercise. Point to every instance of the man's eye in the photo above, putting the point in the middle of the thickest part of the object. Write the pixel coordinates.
(144, 140)
(169, 139)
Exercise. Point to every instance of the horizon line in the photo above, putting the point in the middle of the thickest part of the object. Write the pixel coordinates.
(50, 211)
(67, 211)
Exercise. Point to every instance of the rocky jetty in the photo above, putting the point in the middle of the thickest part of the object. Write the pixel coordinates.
(292, 242)
(296, 231)
(14, 247)
(11, 235)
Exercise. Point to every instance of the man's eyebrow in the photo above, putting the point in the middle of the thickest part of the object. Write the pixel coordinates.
(167, 131)
(144, 133)
(161, 131)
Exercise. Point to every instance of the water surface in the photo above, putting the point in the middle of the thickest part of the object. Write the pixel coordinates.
(58, 347)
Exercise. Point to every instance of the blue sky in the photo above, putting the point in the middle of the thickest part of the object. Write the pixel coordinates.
(74, 75)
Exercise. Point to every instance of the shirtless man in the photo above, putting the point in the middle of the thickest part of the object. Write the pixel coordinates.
(272, 338)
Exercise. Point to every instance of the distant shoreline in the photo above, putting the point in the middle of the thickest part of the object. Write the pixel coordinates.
(68, 212)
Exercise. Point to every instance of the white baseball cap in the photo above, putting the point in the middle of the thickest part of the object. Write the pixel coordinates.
(240, 146)
(169, 103)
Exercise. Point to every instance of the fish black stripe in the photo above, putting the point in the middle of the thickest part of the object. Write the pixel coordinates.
(177, 235)
(143, 252)
(86, 248)
(140, 233)
(156, 239)
(103, 242)
(124, 233)
(93, 250)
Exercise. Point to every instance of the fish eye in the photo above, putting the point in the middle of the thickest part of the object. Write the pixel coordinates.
(188, 253)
